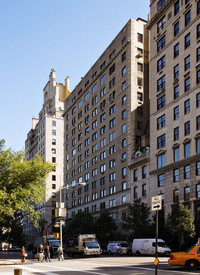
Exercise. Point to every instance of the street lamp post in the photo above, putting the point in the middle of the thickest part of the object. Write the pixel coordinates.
(61, 210)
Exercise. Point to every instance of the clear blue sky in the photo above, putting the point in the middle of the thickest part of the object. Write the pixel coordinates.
(37, 36)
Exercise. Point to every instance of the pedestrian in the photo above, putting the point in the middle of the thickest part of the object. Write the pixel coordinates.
(35, 252)
(60, 253)
(41, 253)
(23, 255)
(47, 253)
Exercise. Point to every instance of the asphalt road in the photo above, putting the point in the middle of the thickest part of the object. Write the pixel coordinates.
(107, 265)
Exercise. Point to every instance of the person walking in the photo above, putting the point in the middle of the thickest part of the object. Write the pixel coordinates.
(23, 254)
(60, 253)
(41, 253)
(47, 253)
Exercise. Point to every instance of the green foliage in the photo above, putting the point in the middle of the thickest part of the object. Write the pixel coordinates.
(181, 224)
(137, 221)
(81, 223)
(84, 223)
(105, 228)
(22, 184)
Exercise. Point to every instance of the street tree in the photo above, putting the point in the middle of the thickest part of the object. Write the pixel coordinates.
(137, 220)
(22, 184)
(181, 223)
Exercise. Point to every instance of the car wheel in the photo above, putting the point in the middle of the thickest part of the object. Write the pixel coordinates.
(137, 253)
(192, 265)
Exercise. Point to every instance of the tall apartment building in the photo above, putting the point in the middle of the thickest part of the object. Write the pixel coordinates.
(175, 102)
(106, 121)
(46, 139)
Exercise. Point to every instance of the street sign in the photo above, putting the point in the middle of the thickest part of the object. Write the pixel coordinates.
(156, 261)
(156, 203)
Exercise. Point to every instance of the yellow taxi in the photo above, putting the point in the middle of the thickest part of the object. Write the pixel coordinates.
(189, 259)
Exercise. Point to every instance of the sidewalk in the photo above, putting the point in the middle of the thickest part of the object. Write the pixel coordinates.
(16, 261)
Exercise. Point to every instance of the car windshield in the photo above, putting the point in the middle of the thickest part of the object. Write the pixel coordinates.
(92, 244)
(188, 250)
(54, 243)
(162, 244)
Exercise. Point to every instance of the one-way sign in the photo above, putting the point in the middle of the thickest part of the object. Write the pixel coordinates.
(156, 203)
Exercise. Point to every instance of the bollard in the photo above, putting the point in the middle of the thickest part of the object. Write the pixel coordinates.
(18, 271)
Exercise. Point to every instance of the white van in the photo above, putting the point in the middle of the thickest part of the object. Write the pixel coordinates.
(148, 247)
(117, 247)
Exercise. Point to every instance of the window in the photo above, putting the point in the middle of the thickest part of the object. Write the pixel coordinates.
(112, 96)
(135, 175)
(112, 109)
(123, 142)
(187, 84)
(161, 44)
(124, 185)
(112, 136)
(111, 83)
(176, 28)
(123, 85)
(102, 92)
(176, 50)
(102, 79)
(140, 37)
(124, 128)
(198, 7)
(198, 100)
(123, 56)
(112, 149)
(161, 141)
(112, 123)
(94, 136)
(176, 71)
(124, 71)
(176, 112)
(94, 124)
(161, 180)
(161, 83)
(187, 193)
(176, 91)
(187, 106)
(124, 114)
(161, 24)
(123, 172)
(112, 177)
(102, 130)
(135, 192)
(140, 67)
(161, 160)
(160, 4)
(176, 133)
(176, 8)
(187, 128)
(187, 18)
(53, 123)
(176, 154)
(198, 76)
(161, 122)
(187, 150)
(112, 163)
(198, 31)
(198, 168)
(187, 172)
(176, 175)
(198, 145)
(103, 168)
(94, 100)
(160, 102)
(198, 191)
(103, 143)
(54, 132)
(87, 96)
(144, 171)
(53, 141)
(187, 62)
(176, 196)
(187, 40)
(198, 122)
(144, 190)
(198, 54)
(124, 100)
(112, 69)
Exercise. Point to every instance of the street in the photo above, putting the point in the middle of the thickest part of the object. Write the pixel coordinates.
(103, 265)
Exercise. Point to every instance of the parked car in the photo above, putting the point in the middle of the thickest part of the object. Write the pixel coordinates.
(189, 259)
(117, 247)
(148, 247)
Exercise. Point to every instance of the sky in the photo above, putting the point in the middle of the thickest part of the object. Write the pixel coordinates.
(37, 36)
